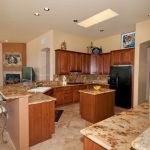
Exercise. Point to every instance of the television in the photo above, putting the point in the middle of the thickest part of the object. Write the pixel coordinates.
(28, 74)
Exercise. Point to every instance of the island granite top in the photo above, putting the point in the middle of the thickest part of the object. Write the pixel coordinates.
(118, 131)
(96, 92)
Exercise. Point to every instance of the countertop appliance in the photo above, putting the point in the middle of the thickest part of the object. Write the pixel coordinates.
(121, 81)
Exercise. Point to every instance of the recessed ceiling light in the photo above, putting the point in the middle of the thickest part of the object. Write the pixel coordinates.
(101, 30)
(75, 20)
(100, 17)
(46, 9)
(6, 41)
(148, 15)
(36, 14)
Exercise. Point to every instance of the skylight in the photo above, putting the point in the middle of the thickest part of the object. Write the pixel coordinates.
(100, 17)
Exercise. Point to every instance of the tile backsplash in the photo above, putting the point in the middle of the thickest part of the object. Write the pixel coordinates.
(78, 77)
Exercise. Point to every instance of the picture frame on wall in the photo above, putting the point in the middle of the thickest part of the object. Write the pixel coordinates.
(12, 60)
(128, 40)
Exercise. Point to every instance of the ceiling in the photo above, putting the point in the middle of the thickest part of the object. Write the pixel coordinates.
(18, 23)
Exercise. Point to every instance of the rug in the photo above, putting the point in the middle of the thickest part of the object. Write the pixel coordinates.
(58, 114)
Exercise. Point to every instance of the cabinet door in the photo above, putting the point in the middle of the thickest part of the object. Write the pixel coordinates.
(86, 63)
(41, 122)
(68, 97)
(59, 95)
(106, 63)
(62, 63)
(72, 61)
(75, 61)
(94, 64)
(76, 94)
(78, 61)
(116, 57)
(127, 56)
(100, 64)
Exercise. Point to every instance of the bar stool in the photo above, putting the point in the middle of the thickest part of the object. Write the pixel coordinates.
(3, 118)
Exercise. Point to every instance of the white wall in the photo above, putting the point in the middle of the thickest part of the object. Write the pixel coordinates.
(142, 35)
(109, 43)
(1, 66)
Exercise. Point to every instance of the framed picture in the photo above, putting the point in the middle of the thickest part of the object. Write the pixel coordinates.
(13, 59)
(128, 40)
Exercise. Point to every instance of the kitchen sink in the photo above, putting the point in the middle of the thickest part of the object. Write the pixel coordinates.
(40, 89)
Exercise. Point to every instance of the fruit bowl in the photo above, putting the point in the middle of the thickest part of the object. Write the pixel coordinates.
(97, 87)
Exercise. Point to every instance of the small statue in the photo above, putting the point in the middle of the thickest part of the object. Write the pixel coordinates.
(63, 45)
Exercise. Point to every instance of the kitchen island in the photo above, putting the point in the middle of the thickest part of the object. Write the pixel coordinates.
(97, 105)
(118, 131)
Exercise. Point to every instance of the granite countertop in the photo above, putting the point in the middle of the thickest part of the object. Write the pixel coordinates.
(20, 90)
(96, 92)
(142, 142)
(40, 98)
(13, 92)
(118, 131)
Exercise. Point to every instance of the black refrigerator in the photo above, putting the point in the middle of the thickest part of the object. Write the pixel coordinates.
(121, 81)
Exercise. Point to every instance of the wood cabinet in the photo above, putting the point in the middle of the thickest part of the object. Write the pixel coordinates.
(68, 95)
(100, 64)
(41, 122)
(90, 145)
(58, 94)
(106, 63)
(62, 60)
(75, 61)
(115, 57)
(122, 57)
(86, 62)
(127, 56)
(94, 64)
(95, 108)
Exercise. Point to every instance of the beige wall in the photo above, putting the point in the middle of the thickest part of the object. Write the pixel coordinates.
(109, 43)
(74, 42)
(52, 40)
(1, 66)
(142, 35)
(35, 55)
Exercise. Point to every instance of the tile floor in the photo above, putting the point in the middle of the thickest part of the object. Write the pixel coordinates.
(67, 131)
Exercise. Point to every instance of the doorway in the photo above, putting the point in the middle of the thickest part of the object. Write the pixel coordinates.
(45, 64)
(144, 73)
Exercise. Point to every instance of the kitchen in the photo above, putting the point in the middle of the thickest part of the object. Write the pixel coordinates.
(45, 40)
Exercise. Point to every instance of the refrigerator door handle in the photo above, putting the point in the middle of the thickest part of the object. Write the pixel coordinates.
(117, 80)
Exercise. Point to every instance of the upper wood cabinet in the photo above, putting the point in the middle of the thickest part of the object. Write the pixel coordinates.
(106, 63)
(125, 56)
(86, 58)
(62, 61)
(94, 63)
(115, 57)
(75, 61)
(100, 64)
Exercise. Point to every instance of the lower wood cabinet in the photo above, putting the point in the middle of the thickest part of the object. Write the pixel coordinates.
(90, 145)
(69, 94)
(41, 122)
